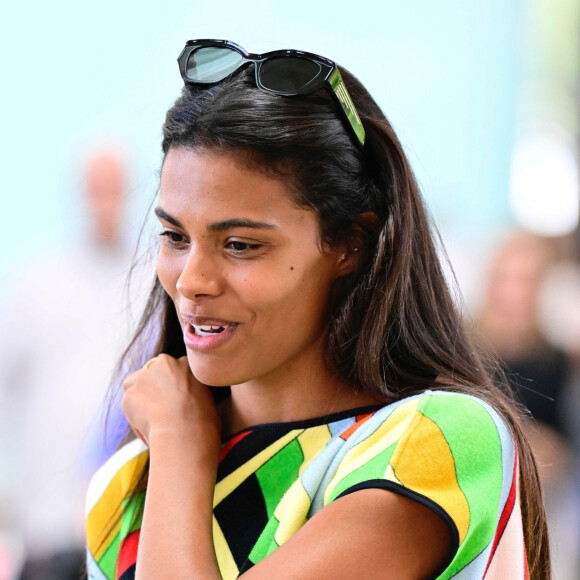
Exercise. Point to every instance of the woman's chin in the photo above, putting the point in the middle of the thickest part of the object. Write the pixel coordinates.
(212, 379)
(212, 374)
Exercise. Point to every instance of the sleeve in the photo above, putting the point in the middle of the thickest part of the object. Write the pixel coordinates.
(452, 453)
(110, 517)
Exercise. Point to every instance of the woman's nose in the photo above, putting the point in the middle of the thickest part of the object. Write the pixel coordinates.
(200, 276)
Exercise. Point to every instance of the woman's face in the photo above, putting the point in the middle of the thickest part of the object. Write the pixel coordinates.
(245, 268)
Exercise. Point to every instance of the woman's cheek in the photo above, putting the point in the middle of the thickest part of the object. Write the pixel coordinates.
(168, 272)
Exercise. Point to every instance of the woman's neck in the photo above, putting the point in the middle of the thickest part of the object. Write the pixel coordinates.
(290, 394)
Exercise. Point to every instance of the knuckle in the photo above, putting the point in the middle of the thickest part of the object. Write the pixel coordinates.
(130, 379)
(126, 397)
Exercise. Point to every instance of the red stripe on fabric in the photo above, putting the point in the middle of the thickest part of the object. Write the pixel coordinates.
(505, 515)
(128, 553)
(233, 441)
(359, 420)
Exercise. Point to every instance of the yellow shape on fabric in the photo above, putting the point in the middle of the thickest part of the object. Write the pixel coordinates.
(234, 479)
(312, 441)
(292, 519)
(108, 507)
(428, 468)
(384, 436)
(226, 562)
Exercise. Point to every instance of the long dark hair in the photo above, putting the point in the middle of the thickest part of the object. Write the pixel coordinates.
(394, 328)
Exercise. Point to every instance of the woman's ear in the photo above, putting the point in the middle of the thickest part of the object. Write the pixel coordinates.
(354, 250)
(348, 260)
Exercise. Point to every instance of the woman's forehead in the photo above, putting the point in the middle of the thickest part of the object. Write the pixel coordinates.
(221, 186)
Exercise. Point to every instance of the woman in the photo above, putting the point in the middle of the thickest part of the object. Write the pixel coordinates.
(357, 433)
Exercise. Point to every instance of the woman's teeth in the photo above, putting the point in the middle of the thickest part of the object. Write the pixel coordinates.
(207, 329)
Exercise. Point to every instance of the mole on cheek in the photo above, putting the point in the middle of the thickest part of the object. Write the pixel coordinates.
(291, 267)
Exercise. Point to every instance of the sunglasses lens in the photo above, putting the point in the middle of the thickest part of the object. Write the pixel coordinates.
(288, 74)
(210, 65)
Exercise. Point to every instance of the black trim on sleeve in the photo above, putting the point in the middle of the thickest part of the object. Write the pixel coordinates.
(428, 503)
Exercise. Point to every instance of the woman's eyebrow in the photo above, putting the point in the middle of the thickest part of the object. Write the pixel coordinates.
(162, 214)
(219, 226)
(240, 223)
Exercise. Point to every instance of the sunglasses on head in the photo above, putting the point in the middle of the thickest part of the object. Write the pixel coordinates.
(282, 72)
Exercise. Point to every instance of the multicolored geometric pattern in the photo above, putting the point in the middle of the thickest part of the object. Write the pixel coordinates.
(451, 452)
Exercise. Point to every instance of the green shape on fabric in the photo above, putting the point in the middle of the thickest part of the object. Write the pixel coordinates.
(266, 543)
(108, 560)
(130, 521)
(374, 468)
(473, 438)
(132, 514)
(279, 473)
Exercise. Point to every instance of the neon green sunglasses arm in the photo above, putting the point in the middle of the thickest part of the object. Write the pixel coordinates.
(345, 100)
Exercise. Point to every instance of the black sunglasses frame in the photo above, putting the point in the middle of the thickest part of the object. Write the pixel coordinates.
(328, 76)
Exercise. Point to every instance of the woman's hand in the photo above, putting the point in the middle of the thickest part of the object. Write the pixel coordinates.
(164, 399)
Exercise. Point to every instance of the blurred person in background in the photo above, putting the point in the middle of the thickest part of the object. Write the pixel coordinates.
(539, 373)
(509, 320)
(63, 319)
(561, 321)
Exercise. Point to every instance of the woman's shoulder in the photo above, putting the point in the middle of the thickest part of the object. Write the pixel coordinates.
(457, 415)
(460, 427)
(452, 452)
(117, 473)
(447, 431)
(420, 438)
(108, 489)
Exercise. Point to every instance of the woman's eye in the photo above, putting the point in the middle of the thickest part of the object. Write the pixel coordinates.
(172, 237)
(241, 247)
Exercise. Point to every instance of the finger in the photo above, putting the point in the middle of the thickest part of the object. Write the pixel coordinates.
(129, 411)
(149, 363)
(130, 380)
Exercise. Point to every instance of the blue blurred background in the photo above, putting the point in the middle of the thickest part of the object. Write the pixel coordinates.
(448, 75)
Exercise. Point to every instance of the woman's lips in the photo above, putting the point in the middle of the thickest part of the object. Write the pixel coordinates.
(205, 335)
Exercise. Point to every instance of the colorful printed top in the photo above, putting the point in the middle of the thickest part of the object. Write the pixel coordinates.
(450, 452)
